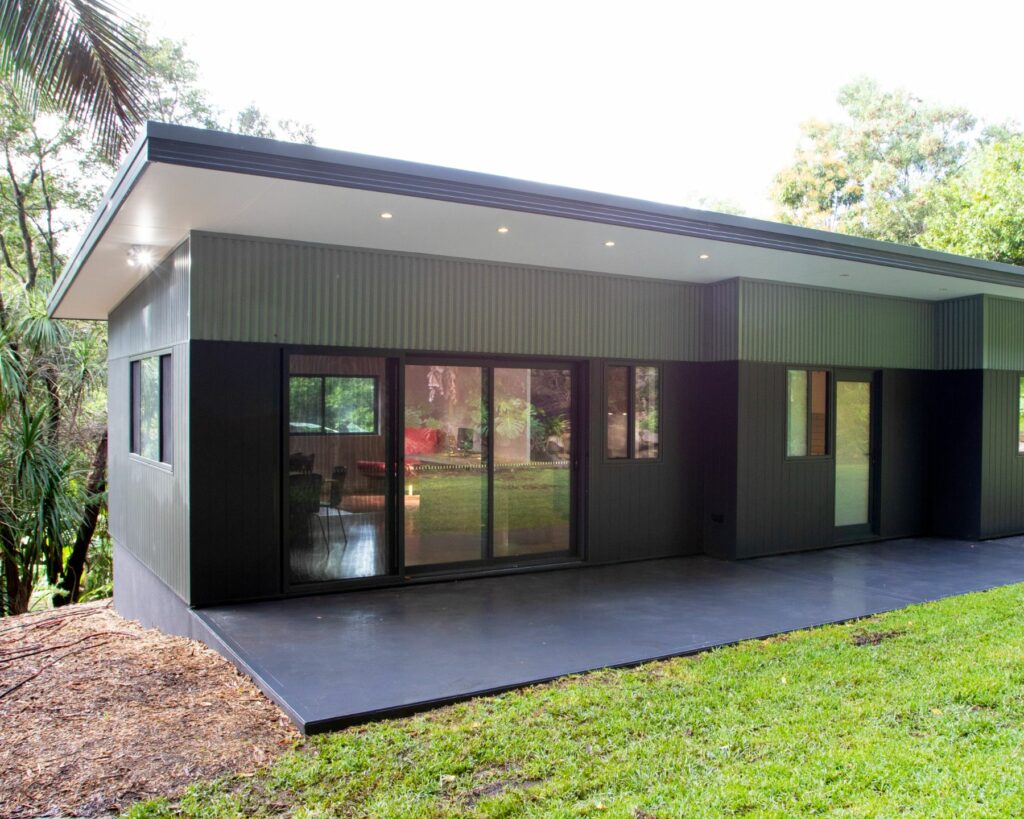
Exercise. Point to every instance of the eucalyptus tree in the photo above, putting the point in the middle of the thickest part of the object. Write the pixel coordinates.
(873, 172)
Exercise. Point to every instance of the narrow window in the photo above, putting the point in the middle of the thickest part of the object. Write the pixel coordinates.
(617, 402)
(796, 438)
(806, 413)
(632, 412)
(332, 405)
(645, 408)
(152, 399)
(1020, 418)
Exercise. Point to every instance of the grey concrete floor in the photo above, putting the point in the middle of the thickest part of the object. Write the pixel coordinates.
(338, 659)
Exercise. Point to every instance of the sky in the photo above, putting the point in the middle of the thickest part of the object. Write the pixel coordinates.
(667, 101)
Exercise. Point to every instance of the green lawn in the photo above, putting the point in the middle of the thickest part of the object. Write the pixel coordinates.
(919, 712)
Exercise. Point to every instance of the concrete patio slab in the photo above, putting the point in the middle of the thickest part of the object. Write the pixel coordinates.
(334, 660)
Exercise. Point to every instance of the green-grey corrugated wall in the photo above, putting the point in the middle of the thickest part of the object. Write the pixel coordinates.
(959, 333)
(809, 325)
(267, 290)
(149, 503)
(1004, 334)
(251, 289)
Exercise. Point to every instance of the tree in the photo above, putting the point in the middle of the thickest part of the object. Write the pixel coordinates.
(873, 174)
(51, 408)
(252, 121)
(79, 56)
(980, 212)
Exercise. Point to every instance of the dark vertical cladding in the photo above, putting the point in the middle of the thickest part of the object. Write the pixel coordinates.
(956, 432)
(716, 445)
(904, 448)
(236, 471)
(642, 509)
(785, 504)
(1002, 466)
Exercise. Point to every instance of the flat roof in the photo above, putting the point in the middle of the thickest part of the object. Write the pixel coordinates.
(177, 179)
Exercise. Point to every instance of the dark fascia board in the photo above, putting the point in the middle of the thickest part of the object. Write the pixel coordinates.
(220, 151)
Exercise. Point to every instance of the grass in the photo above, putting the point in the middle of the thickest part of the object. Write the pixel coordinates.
(919, 712)
(524, 499)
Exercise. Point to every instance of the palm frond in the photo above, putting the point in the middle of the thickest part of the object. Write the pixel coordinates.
(81, 56)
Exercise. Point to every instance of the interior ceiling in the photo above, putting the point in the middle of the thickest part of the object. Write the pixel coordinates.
(170, 200)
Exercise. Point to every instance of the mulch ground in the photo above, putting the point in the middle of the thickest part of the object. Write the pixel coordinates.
(97, 712)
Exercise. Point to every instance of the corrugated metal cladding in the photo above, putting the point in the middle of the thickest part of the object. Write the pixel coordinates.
(1002, 465)
(250, 289)
(720, 321)
(806, 325)
(148, 503)
(155, 313)
(959, 333)
(1004, 334)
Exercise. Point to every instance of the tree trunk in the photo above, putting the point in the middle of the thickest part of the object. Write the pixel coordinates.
(17, 590)
(70, 587)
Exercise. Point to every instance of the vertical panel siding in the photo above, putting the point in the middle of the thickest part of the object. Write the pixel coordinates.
(959, 333)
(784, 505)
(248, 289)
(155, 313)
(904, 445)
(1004, 334)
(717, 428)
(645, 509)
(149, 505)
(806, 325)
(956, 469)
(720, 321)
(1002, 482)
(236, 457)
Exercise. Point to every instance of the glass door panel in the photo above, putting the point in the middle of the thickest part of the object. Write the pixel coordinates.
(337, 493)
(532, 461)
(446, 462)
(853, 453)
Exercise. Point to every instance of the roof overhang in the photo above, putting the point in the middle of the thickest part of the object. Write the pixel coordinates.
(180, 179)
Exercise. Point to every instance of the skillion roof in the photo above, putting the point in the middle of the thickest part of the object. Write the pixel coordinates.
(178, 179)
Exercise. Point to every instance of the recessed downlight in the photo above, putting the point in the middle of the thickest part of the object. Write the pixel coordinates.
(609, 243)
(140, 256)
(503, 229)
(704, 257)
(387, 215)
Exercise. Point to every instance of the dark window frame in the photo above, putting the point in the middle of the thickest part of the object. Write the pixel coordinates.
(1020, 415)
(323, 402)
(165, 407)
(808, 428)
(631, 367)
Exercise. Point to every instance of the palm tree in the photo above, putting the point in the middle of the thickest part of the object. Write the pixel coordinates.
(82, 57)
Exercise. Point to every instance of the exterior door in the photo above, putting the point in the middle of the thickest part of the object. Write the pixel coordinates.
(488, 466)
(854, 451)
(338, 456)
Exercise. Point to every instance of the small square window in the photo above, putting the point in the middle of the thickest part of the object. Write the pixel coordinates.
(806, 413)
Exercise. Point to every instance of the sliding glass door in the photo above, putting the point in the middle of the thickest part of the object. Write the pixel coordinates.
(488, 474)
(337, 486)
(445, 494)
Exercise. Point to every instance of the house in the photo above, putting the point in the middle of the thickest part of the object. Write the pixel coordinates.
(330, 371)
